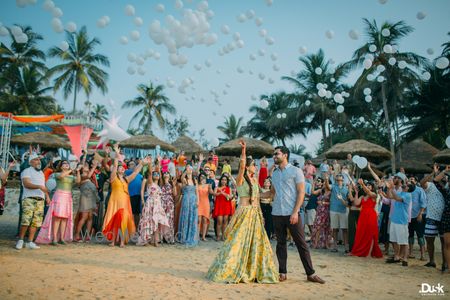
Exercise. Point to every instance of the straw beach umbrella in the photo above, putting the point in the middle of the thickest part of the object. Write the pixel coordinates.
(188, 145)
(43, 139)
(146, 142)
(442, 157)
(255, 148)
(416, 157)
(372, 152)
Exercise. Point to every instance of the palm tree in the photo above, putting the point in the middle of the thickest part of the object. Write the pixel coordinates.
(399, 79)
(30, 94)
(306, 82)
(99, 112)
(300, 150)
(232, 128)
(266, 125)
(17, 56)
(81, 68)
(152, 104)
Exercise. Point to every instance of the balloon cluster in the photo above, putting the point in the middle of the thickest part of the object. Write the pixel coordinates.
(19, 36)
(360, 161)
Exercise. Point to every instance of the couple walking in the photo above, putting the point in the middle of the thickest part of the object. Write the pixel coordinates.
(246, 255)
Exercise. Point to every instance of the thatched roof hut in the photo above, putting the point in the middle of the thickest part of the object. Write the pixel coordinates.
(188, 145)
(146, 142)
(372, 152)
(255, 148)
(443, 157)
(416, 158)
(43, 139)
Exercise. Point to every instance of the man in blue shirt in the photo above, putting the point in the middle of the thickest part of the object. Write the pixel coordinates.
(338, 210)
(134, 190)
(417, 224)
(288, 190)
(398, 231)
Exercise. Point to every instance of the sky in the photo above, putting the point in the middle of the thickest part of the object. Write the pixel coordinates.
(219, 89)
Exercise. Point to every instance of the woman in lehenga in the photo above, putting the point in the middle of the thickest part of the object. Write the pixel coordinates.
(58, 225)
(119, 215)
(246, 255)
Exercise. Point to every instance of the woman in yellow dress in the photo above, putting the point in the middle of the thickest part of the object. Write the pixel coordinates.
(246, 255)
(119, 216)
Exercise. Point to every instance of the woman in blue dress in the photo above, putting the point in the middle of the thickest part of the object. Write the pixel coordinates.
(188, 224)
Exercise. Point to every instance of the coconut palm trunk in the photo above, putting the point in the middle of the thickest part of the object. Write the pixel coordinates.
(388, 127)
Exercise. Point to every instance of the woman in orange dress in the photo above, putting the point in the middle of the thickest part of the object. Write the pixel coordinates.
(119, 215)
(204, 190)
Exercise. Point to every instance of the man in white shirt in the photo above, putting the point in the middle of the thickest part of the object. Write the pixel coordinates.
(33, 197)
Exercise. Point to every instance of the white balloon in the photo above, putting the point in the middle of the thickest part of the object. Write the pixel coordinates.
(421, 15)
(322, 92)
(215, 142)
(236, 36)
(392, 61)
(16, 30)
(271, 81)
(135, 35)
(318, 70)
(367, 91)
(442, 62)
(111, 130)
(241, 18)
(283, 115)
(225, 29)
(372, 48)
(361, 119)
(48, 5)
(131, 57)
(261, 52)
(57, 25)
(370, 56)
(141, 71)
(353, 34)
(157, 55)
(307, 103)
(252, 57)
(138, 21)
(101, 23)
(198, 67)
(302, 50)
(332, 80)
(368, 98)
(387, 49)
(276, 68)
(362, 162)
(178, 4)
(240, 43)
(170, 83)
(319, 86)
(64, 46)
(57, 12)
(3, 31)
(269, 2)
(203, 6)
(385, 32)
(402, 64)
(426, 75)
(329, 34)
(447, 141)
(253, 97)
(208, 63)
(381, 68)
(278, 116)
(131, 70)
(261, 76)
(250, 13)
(264, 104)
(129, 10)
(430, 51)
(259, 21)
(367, 63)
(160, 8)
(356, 158)
(262, 32)
(140, 61)
(370, 77)
(270, 40)
(340, 109)
(71, 27)
(107, 19)
(210, 14)
(21, 39)
(380, 78)
(328, 94)
(382, 1)
(123, 40)
(293, 73)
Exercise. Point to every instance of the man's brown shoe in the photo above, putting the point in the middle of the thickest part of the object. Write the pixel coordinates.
(283, 277)
(315, 278)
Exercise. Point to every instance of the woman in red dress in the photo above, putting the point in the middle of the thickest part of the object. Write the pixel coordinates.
(222, 207)
(366, 239)
(263, 172)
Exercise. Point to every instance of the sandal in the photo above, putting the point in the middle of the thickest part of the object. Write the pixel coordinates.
(392, 261)
(78, 240)
(430, 265)
(54, 243)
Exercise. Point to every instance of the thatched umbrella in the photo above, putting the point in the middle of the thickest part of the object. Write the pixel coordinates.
(146, 142)
(442, 157)
(416, 157)
(43, 139)
(372, 152)
(188, 145)
(255, 148)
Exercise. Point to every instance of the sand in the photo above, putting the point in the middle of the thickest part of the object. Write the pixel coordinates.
(174, 272)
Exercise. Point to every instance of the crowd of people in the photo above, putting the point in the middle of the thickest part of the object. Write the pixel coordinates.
(176, 199)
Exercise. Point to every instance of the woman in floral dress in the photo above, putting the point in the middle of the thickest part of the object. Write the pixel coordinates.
(169, 192)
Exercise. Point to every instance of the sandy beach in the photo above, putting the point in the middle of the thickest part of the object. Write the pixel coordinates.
(174, 272)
